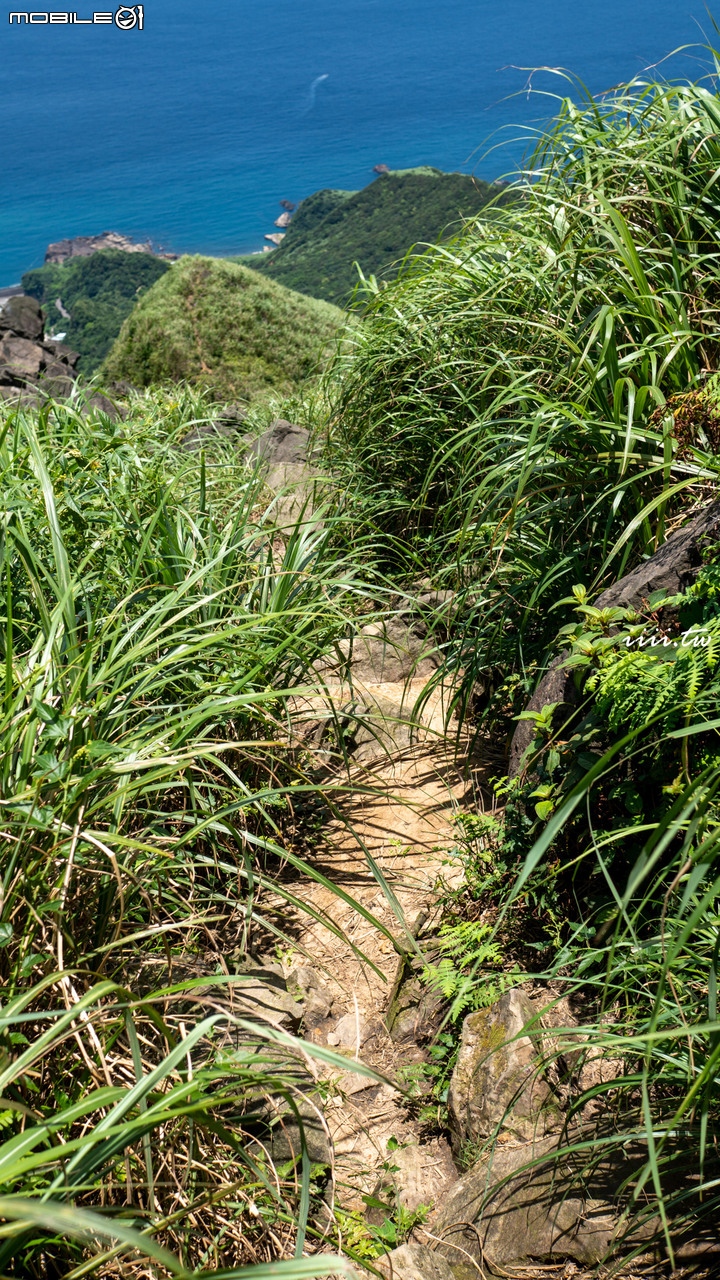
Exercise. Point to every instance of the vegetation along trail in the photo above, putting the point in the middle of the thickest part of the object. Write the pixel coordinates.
(359, 756)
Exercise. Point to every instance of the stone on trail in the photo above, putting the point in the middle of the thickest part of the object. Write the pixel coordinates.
(392, 651)
(413, 1261)
(317, 999)
(535, 1214)
(349, 1032)
(263, 995)
(497, 1081)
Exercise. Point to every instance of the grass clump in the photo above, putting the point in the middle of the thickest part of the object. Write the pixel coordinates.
(152, 637)
(499, 415)
(99, 292)
(214, 324)
(375, 228)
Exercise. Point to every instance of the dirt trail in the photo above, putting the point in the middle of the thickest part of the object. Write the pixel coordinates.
(407, 830)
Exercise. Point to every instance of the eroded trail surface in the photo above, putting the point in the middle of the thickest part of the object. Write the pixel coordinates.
(405, 828)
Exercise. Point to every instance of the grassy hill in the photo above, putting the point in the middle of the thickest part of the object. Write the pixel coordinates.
(99, 292)
(374, 227)
(212, 322)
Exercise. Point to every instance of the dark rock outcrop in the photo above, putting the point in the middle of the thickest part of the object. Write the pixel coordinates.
(23, 317)
(671, 569)
(34, 368)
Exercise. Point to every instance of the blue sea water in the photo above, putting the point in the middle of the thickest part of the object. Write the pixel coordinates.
(191, 131)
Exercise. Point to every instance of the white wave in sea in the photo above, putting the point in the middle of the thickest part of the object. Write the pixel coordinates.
(313, 92)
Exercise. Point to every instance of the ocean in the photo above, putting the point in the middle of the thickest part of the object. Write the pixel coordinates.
(190, 131)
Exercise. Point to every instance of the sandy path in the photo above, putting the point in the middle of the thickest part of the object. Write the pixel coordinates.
(407, 830)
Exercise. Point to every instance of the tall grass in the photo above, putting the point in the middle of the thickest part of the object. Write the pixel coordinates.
(639, 956)
(500, 415)
(152, 634)
(524, 411)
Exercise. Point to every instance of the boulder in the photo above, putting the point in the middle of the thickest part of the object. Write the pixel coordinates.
(282, 455)
(282, 443)
(24, 317)
(501, 1213)
(497, 1084)
(392, 651)
(32, 368)
(60, 351)
(413, 1261)
(20, 359)
(56, 387)
(671, 569)
(54, 369)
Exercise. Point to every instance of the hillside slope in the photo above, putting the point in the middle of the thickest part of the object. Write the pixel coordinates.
(213, 322)
(98, 292)
(374, 227)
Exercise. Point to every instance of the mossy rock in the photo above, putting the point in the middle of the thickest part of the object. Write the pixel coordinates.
(497, 1084)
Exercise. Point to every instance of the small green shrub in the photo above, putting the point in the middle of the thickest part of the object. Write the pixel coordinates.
(465, 949)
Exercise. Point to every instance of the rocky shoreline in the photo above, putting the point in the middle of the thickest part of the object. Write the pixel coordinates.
(84, 246)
